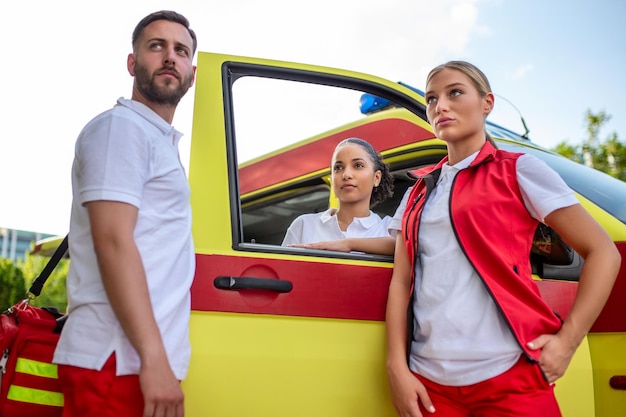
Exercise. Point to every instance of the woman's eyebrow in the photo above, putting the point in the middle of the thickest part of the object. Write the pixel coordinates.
(455, 84)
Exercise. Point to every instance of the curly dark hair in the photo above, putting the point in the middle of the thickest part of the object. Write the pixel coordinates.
(384, 190)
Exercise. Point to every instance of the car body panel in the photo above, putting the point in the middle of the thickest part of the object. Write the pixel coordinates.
(318, 349)
(248, 371)
(609, 360)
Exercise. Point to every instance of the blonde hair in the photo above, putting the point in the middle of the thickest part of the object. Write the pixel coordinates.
(478, 78)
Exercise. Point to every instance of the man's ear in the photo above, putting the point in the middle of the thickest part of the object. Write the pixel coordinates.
(193, 79)
(130, 64)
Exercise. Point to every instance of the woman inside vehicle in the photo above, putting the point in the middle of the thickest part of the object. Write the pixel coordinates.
(360, 179)
(483, 342)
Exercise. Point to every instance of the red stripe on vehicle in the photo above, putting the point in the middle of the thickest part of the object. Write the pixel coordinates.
(319, 289)
(349, 291)
(613, 316)
(311, 157)
(559, 295)
(337, 291)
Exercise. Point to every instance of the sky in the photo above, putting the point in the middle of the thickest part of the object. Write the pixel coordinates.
(65, 62)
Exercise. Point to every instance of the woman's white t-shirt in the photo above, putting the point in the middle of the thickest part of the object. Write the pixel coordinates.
(460, 338)
(321, 227)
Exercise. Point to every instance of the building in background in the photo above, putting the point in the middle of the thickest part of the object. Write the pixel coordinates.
(14, 244)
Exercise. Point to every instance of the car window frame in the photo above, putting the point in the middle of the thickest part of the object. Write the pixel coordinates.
(231, 72)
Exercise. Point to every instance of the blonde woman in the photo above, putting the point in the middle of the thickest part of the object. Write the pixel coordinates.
(484, 343)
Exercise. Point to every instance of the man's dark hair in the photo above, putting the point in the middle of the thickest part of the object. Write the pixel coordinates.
(168, 15)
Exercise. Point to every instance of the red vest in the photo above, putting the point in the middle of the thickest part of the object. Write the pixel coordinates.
(495, 232)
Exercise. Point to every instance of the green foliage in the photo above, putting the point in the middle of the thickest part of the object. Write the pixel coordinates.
(16, 279)
(12, 285)
(567, 150)
(608, 156)
(53, 293)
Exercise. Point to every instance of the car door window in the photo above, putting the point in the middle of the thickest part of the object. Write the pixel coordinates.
(280, 174)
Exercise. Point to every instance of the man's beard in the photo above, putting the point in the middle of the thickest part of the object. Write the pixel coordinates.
(160, 95)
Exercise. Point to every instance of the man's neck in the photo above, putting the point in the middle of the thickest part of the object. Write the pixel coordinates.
(166, 111)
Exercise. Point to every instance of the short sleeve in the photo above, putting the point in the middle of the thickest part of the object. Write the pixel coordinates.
(395, 225)
(113, 160)
(294, 232)
(543, 190)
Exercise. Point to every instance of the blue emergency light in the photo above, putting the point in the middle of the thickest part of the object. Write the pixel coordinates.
(371, 103)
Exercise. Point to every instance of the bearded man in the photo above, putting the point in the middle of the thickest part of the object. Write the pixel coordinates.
(125, 345)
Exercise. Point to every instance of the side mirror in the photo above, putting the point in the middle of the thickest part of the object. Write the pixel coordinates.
(548, 245)
(552, 258)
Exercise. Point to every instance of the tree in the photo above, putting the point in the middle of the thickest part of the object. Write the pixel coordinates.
(17, 278)
(12, 285)
(611, 157)
(567, 150)
(53, 293)
(608, 156)
(590, 146)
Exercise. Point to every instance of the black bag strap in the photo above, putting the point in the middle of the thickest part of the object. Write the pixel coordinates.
(37, 285)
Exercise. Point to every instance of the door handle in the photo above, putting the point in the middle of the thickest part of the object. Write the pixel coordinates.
(618, 382)
(249, 283)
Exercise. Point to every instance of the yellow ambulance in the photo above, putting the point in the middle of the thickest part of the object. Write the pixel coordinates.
(280, 331)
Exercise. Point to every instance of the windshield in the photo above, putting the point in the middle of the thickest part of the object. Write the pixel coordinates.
(607, 192)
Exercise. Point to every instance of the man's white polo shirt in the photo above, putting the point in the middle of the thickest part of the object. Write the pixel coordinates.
(129, 154)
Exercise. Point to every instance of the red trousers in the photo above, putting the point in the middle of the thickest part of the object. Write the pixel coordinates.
(100, 393)
(522, 391)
